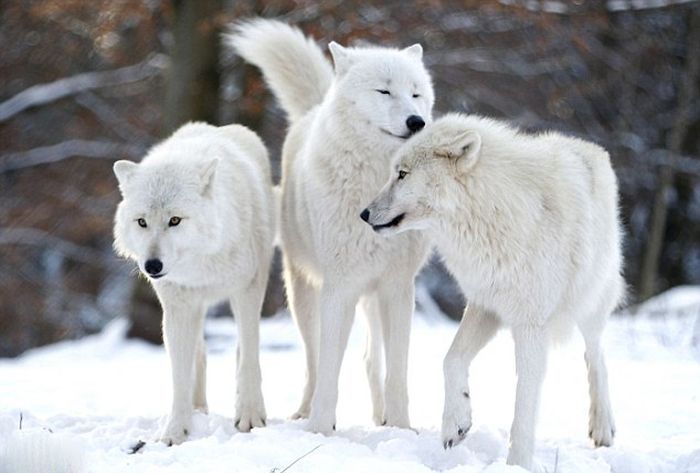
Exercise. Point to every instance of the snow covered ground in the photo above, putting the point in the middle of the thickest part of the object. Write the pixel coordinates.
(100, 395)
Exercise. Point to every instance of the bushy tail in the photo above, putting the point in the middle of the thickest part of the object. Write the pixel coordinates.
(293, 65)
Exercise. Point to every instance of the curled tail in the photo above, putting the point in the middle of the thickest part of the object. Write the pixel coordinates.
(293, 65)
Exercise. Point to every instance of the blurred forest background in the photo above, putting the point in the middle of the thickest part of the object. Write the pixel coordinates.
(84, 83)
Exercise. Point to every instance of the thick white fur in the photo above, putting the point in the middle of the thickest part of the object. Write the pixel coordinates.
(217, 180)
(335, 159)
(529, 227)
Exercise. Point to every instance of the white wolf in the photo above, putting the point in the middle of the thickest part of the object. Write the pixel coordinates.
(344, 130)
(197, 216)
(529, 227)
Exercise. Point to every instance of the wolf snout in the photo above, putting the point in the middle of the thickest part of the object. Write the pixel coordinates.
(415, 123)
(153, 267)
(365, 215)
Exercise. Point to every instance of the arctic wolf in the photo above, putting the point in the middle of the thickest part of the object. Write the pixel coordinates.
(197, 216)
(345, 126)
(529, 227)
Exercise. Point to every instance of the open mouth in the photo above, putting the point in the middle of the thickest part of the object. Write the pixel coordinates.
(401, 137)
(390, 224)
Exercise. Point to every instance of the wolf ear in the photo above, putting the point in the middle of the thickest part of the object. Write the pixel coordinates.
(464, 149)
(206, 175)
(342, 59)
(124, 170)
(415, 51)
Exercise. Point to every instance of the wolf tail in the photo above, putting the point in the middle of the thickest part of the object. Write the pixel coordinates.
(293, 65)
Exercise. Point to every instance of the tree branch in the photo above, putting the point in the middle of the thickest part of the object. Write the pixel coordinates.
(54, 153)
(42, 239)
(44, 93)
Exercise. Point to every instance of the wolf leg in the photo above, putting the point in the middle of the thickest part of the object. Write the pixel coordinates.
(476, 329)
(337, 304)
(183, 324)
(374, 364)
(397, 302)
(303, 302)
(200, 388)
(250, 406)
(601, 426)
(531, 343)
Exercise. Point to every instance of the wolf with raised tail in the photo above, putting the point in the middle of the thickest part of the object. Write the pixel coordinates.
(346, 122)
(198, 217)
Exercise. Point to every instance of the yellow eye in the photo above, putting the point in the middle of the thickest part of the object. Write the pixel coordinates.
(402, 174)
(142, 223)
(174, 221)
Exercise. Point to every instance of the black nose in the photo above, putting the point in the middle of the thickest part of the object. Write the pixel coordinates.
(154, 266)
(365, 215)
(415, 123)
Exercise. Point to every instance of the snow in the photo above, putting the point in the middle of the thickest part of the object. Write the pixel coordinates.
(85, 403)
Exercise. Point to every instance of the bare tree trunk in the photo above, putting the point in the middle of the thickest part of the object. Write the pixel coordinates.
(193, 79)
(192, 93)
(686, 96)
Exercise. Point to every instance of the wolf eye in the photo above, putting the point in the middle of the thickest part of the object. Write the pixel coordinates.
(174, 221)
(142, 223)
(402, 174)
(383, 92)
(415, 96)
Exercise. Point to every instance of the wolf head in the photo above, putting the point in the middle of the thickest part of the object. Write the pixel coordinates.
(387, 91)
(167, 219)
(428, 172)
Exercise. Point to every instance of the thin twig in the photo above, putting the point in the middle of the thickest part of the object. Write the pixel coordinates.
(277, 470)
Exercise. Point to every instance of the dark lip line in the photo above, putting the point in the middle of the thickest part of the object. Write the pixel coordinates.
(156, 276)
(392, 223)
(405, 137)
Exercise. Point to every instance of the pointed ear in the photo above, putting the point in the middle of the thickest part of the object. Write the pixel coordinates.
(464, 149)
(124, 170)
(207, 171)
(415, 51)
(342, 59)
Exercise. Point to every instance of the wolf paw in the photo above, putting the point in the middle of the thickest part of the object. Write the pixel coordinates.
(453, 435)
(601, 430)
(175, 432)
(249, 418)
(300, 414)
(456, 420)
(400, 421)
(320, 425)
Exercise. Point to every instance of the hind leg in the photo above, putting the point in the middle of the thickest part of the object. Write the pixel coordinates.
(601, 426)
(374, 364)
(303, 303)
(246, 305)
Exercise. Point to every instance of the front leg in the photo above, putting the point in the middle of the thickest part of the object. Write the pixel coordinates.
(531, 343)
(183, 325)
(476, 328)
(337, 304)
(250, 406)
(397, 302)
